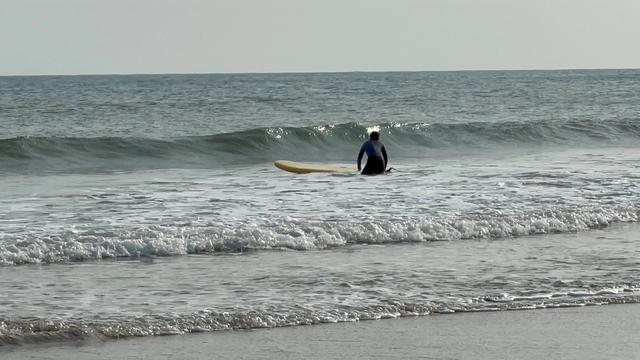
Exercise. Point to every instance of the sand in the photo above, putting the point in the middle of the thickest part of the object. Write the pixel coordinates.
(593, 332)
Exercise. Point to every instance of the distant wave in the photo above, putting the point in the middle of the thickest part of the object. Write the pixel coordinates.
(313, 143)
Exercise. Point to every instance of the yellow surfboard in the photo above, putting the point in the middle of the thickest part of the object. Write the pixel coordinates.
(302, 168)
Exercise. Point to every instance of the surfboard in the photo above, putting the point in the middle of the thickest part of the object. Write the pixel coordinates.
(305, 168)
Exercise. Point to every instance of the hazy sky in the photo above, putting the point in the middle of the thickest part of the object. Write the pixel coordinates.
(185, 36)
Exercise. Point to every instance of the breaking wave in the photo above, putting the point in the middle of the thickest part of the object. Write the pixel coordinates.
(290, 233)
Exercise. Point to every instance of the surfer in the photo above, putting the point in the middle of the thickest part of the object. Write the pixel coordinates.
(376, 155)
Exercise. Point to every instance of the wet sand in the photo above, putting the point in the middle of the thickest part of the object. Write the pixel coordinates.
(593, 332)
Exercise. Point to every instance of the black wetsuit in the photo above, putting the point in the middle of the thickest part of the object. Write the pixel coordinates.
(376, 157)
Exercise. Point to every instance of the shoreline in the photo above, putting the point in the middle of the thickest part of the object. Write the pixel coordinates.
(589, 332)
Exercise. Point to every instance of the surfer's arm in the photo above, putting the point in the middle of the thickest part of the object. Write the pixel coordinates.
(384, 154)
(360, 154)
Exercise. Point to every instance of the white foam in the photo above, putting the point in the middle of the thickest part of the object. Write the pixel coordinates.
(373, 128)
(288, 233)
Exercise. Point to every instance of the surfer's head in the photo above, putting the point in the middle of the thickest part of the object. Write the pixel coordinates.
(374, 135)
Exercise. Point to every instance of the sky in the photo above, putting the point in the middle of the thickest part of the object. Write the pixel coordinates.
(42, 37)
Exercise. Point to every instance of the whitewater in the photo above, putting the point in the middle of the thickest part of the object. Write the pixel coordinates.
(148, 205)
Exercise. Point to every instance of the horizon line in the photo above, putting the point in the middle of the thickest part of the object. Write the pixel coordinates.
(293, 72)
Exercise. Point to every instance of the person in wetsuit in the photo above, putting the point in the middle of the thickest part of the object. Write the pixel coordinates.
(376, 155)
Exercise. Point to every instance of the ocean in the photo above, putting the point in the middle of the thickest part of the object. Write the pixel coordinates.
(143, 205)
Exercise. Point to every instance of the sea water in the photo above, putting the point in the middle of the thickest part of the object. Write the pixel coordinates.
(149, 204)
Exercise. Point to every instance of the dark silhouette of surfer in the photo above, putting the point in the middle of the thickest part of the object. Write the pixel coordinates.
(376, 155)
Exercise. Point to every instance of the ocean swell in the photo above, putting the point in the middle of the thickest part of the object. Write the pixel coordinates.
(312, 143)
